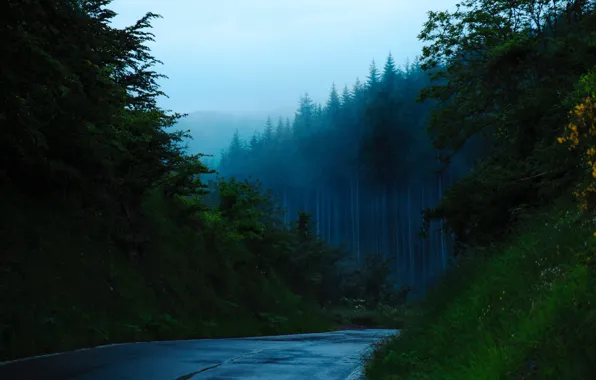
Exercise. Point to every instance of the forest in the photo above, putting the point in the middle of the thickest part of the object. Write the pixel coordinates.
(364, 167)
(466, 177)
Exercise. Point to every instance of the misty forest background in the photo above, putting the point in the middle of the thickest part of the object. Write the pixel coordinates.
(363, 165)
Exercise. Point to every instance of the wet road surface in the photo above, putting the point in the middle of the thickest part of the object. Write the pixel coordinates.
(328, 356)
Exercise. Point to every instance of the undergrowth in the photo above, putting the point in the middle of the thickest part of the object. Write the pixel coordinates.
(518, 310)
(65, 284)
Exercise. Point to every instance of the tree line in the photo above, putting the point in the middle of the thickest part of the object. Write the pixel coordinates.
(363, 165)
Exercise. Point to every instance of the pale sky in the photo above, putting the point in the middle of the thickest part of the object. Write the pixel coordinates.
(261, 55)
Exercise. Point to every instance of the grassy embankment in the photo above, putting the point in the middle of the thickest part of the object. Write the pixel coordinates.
(522, 309)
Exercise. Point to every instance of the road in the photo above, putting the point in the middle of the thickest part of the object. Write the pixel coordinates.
(329, 356)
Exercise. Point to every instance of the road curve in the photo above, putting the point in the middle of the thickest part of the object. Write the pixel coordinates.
(328, 356)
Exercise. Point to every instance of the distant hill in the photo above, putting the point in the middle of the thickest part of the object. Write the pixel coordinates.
(213, 131)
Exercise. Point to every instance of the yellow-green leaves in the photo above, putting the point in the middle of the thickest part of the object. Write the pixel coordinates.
(580, 133)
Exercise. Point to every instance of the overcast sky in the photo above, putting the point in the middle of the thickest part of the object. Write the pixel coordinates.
(260, 55)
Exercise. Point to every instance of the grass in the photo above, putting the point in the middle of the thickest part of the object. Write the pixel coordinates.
(64, 285)
(518, 310)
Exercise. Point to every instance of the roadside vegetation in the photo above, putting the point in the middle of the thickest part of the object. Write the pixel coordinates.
(520, 309)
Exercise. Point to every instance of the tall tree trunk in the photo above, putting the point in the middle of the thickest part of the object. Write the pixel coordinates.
(336, 222)
(385, 222)
(318, 210)
(423, 241)
(358, 217)
(353, 217)
(397, 229)
(329, 213)
(285, 203)
(441, 227)
(410, 247)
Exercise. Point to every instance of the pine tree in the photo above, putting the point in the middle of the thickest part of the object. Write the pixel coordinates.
(389, 74)
(254, 142)
(268, 132)
(373, 78)
(303, 121)
(358, 93)
(318, 121)
(288, 128)
(333, 103)
(346, 97)
(357, 86)
(236, 149)
(279, 130)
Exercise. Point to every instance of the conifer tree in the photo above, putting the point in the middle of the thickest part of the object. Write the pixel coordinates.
(236, 149)
(268, 132)
(389, 74)
(374, 77)
(304, 118)
(255, 141)
(279, 130)
(346, 97)
(333, 104)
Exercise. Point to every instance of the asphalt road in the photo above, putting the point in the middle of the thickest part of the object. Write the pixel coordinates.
(329, 356)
